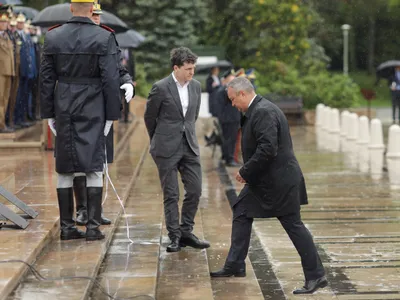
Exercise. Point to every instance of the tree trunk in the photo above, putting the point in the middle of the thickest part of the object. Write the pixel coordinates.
(371, 44)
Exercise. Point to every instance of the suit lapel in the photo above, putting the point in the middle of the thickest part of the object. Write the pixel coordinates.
(175, 94)
(191, 99)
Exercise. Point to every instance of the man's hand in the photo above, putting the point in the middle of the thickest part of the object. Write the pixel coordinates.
(240, 178)
(128, 87)
(107, 127)
(52, 125)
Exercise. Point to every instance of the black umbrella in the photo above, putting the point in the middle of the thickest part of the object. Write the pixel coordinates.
(29, 12)
(130, 39)
(386, 69)
(222, 64)
(14, 2)
(60, 14)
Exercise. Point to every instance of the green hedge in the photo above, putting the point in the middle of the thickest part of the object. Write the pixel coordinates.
(335, 90)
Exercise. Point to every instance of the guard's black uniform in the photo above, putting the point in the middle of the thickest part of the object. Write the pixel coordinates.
(80, 89)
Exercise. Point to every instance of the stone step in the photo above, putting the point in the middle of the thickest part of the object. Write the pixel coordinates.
(185, 274)
(217, 223)
(130, 269)
(69, 258)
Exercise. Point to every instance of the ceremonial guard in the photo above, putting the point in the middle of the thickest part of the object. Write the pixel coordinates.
(16, 40)
(79, 88)
(7, 70)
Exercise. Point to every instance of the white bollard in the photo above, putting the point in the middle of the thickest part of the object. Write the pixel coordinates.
(394, 142)
(352, 133)
(393, 156)
(376, 149)
(325, 117)
(363, 131)
(334, 121)
(318, 114)
(344, 123)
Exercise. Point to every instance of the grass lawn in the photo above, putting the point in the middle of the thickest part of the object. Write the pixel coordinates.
(383, 97)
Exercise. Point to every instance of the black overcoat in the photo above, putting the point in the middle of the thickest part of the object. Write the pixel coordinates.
(275, 183)
(79, 83)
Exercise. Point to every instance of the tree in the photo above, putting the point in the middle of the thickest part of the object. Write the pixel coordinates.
(227, 27)
(165, 24)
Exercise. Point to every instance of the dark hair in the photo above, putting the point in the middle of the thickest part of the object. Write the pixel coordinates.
(182, 55)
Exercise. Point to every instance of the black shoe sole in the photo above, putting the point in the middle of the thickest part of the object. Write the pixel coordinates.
(105, 223)
(173, 250)
(320, 286)
(230, 275)
(80, 223)
(195, 247)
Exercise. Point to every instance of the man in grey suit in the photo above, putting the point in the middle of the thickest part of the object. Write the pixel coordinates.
(172, 110)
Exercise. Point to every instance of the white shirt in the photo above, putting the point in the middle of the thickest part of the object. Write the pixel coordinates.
(252, 101)
(183, 94)
(216, 79)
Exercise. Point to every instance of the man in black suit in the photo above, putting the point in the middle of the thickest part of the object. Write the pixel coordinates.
(212, 83)
(274, 185)
(229, 119)
(172, 109)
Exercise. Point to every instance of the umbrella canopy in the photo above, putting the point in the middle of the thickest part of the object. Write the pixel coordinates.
(60, 14)
(130, 39)
(386, 69)
(222, 64)
(14, 2)
(29, 12)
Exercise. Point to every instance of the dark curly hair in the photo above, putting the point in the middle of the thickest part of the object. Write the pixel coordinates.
(182, 55)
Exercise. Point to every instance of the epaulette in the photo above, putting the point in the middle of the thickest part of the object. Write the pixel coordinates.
(107, 28)
(55, 26)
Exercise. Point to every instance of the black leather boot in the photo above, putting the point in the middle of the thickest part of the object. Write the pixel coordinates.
(80, 200)
(94, 214)
(67, 224)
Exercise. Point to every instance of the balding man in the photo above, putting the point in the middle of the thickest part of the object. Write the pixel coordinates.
(274, 185)
(80, 98)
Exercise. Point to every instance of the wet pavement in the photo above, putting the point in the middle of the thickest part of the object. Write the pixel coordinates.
(353, 216)
(355, 221)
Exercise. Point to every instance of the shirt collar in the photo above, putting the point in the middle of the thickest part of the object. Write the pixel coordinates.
(252, 100)
(177, 82)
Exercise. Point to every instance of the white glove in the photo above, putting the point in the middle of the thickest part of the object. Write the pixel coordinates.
(107, 127)
(52, 125)
(128, 91)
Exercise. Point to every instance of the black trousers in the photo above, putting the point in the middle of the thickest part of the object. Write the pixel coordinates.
(229, 132)
(395, 104)
(294, 227)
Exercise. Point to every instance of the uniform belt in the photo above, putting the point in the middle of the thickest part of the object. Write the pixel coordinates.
(80, 80)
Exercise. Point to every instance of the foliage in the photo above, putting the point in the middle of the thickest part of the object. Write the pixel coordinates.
(279, 29)
(165, 24)
(335, 90)
(142, 85)
(227, 27)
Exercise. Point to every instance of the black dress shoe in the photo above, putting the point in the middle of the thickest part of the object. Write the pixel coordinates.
(193, 241)
(174, 246)
(233, 164)
(105, 221)
(311, 286)
(229, 272)
(72, 234)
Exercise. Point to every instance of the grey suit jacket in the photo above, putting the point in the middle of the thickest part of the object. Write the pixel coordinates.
(164, 117)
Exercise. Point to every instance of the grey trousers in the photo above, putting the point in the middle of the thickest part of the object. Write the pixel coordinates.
(188, 165)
